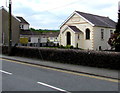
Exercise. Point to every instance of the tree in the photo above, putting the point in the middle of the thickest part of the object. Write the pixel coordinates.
(32, 29)
(114, 40)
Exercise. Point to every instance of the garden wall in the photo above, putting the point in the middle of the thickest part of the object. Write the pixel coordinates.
(100, 59)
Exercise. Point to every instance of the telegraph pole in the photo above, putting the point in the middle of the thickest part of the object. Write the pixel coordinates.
(10, 28)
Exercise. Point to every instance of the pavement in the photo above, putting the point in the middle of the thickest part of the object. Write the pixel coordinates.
(108, 73)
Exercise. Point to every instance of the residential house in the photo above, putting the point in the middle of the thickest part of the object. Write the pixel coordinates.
(36, 39)
(86, 31)
(4, 28)
(30, 38)
(52, 38)
(24, 25)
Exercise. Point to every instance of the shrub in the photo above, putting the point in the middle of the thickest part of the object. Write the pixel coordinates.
(71, 56)
(69, 47)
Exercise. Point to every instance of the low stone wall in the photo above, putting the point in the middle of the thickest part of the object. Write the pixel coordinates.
(100, 59)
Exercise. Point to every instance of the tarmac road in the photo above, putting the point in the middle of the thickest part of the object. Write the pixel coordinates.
(27, 77)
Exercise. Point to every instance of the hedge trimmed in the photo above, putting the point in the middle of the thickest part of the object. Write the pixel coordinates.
(100, 59)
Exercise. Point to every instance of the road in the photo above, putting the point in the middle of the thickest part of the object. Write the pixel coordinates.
(27, 77)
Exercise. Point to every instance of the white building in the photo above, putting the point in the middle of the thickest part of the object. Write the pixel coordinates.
(86, 31)
(24, 25)
(34, 38)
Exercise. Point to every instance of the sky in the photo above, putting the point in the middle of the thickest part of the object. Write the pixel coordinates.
(50, 14)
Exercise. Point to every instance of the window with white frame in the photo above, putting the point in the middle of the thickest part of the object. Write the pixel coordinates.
(102, 34)
(111, 32)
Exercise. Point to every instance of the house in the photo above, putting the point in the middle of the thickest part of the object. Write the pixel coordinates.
(30, 38)
(4, 28)
(36, 39)
(24, 25)
(86, 31)
(52, 38)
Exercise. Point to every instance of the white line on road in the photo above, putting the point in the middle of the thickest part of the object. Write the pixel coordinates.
(44, 84)
(6, 72)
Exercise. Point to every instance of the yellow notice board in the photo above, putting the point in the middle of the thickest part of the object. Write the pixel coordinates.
(23, 40)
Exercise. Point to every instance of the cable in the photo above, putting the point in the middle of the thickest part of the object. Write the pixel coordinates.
(65, 5)
(62, 6)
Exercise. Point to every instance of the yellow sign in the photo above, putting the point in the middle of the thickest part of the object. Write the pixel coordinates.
(23, 40)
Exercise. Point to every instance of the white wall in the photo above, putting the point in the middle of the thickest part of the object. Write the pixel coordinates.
(95, 34)
(82, 25)
(24, 26)
(34, 39)
(97, 38)
(43, 40)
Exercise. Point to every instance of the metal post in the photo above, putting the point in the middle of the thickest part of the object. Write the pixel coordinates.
(10, 29)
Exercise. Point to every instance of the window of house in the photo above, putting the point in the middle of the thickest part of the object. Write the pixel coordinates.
(111, 32)
(22, 26)
(29, 39)
(38, 40)
(87, 34)
(102, 34)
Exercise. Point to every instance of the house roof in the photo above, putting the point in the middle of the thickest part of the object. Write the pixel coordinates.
(94, 20)
(75, 29)
(22, 20)
(35, 33)
(98, 20)
(28, 32)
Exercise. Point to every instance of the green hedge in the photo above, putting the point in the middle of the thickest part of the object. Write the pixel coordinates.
(100, 59)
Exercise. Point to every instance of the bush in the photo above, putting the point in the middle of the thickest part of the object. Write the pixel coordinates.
(114, 41)
(69, 47)
(61, 46)
(100, 59)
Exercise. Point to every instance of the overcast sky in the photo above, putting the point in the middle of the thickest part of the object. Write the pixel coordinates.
(50, 14)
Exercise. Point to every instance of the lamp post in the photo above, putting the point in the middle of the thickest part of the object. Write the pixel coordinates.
(10, 29)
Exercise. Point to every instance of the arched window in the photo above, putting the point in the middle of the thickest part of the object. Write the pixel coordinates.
(87, 33)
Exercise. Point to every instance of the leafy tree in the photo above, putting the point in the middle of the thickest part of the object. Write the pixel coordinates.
(114, 40)
(32, 29)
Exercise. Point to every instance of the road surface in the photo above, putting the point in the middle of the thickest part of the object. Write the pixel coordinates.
(18, 76)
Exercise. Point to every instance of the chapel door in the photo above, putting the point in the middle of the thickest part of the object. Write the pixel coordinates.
(68, 38)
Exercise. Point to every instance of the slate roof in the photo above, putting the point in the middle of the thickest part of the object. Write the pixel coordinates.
(98, 20)
(28, 32)
(35, 33)
(22, 20)
(75, 29)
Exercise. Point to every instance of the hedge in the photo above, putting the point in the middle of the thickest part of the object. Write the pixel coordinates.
(102, 59)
